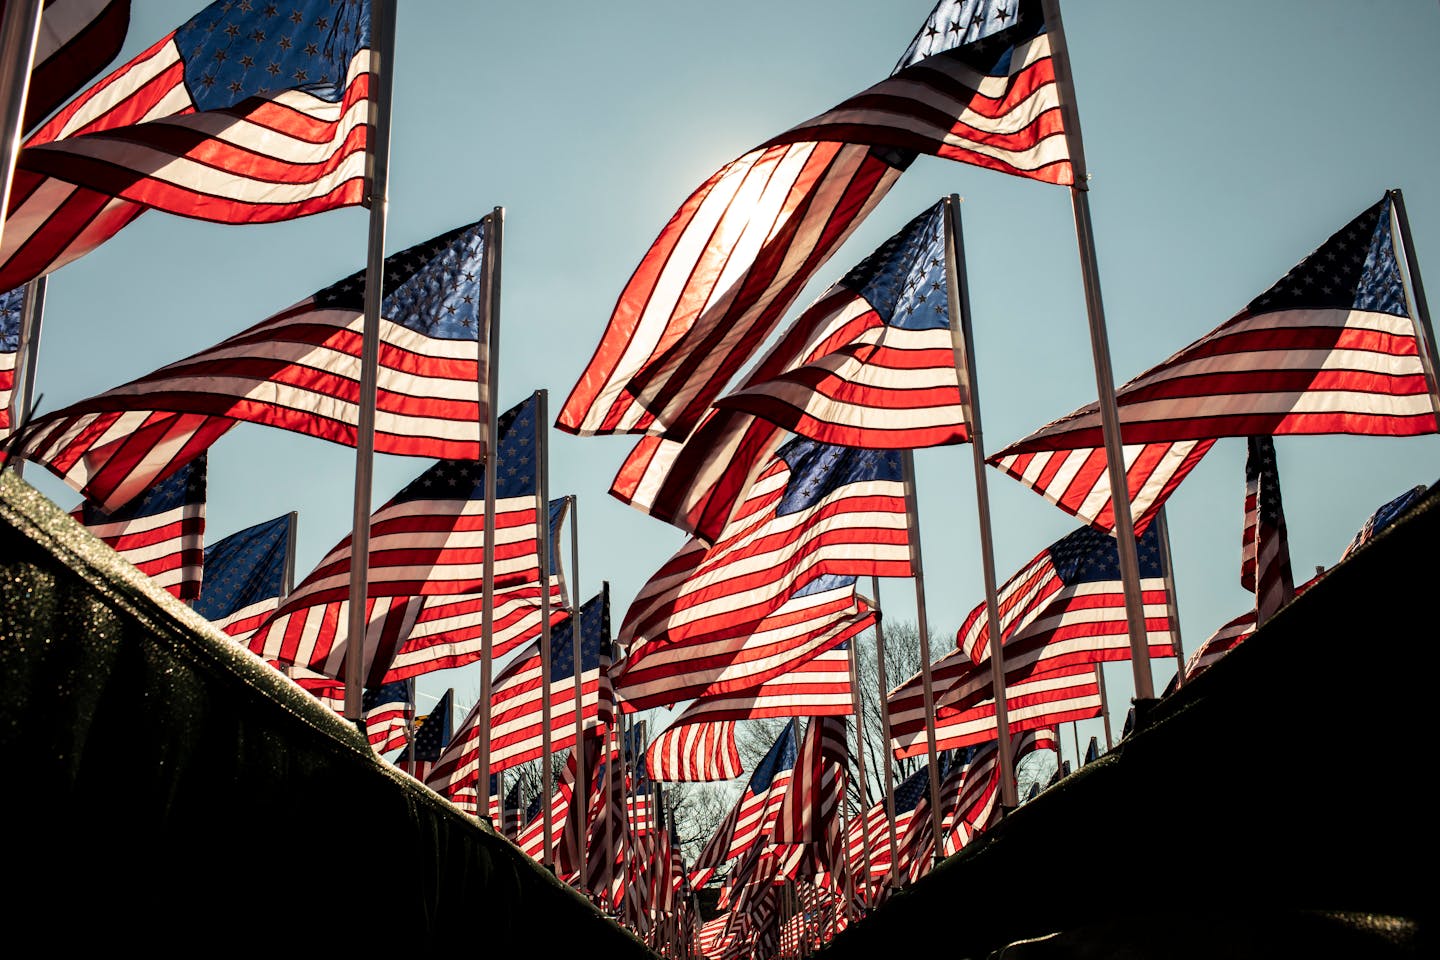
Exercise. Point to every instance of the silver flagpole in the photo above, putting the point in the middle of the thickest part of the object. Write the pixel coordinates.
(18, 32)
(288, 583)
(490, 370)
(961, 336)
(1104, 706)
(1172, 600)
(382, 69)
(1425, 332)
(912, 511)
(542, 518)
(1100, 348)
(864, 790)
(885, 732)
(577, 632)
(32, 315)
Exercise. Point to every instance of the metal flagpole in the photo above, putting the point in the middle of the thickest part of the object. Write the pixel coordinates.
(961, 336)
(1104, 706)
(849, 885)
(542, 523)
(576, 651)
(863, 791)
(1425, 332)
(1100, 348)
(912, 511)
(382, 32)
(1172, 602)
(885, 732)
(32, 314)
(18, 33)
(490, 296)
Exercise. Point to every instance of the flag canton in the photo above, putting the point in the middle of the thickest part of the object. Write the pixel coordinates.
(1385, 516)
(594, 640)
(1090, 556)
(11, 303)
(183, 487)
(819, 469)
(512, 796)
(982, 32)
(433, 731)
(780, 757)
(433, 287)
(908, 794)
(516, 457)
(825, 583)
(236, 49)
(1262, 476)
(244, 568)
(904, 279)
(396, 692)
(1355, 269)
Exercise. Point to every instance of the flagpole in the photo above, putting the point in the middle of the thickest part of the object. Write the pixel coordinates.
(1104, 706)
(1421, 312)
(542, 523)
(18, 35)
(576, 652)
(1104, 376)
(32, 313)
(912, 516)
(864, 790)
(378, 162)
(490, 297)
(885, 732)
(957, 282)
(1172, 602)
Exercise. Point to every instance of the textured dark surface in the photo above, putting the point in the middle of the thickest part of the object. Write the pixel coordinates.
(160, 784)
(1273, 807)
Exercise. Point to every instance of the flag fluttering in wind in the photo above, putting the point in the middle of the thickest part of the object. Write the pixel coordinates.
(752, 816)
(1387, 514)
(387, 710)
(299, 370)
(1265, 545)
(162, 531)
(432, 735)
(977, 85)
(695, 751)
(246, 113)
(1329, 348)
(77, 39)
(817, 785)
(816, 687)
(245, 576)
(11, 305)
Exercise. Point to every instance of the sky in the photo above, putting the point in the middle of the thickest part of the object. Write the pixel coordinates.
(1225, 141)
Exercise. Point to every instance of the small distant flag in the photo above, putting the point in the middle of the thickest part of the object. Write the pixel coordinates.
(1265, 545)
(1383, 517)
(432, 735)
(245, 576)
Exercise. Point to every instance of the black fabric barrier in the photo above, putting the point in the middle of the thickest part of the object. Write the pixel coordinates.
(1276, 806)
(164, 788)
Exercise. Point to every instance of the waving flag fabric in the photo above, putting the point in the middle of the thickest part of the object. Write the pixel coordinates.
(432, 734)
(388, 710)
(693, 751)
(245, 576)
(11, 304)
(747, 820)
(889, 379)
(162, 531)
(428, 540)
(817, 687)
(817, 784)
(1329, 348)
(299, 370)
(77, 39)
(977, 85)
(1383, 517)
(247, 113)
(1265, 546)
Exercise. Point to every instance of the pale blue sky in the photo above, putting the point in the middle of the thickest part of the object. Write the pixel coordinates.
(1226, 140)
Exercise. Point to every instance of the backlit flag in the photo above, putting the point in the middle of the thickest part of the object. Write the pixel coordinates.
(428, 540)
(816, 786)
(11, 303)
(245, 576)
(388, 710)
(695, 751)
(817, 687)
(162, 531)
(889, 379)
(977, 85)
(1383, 517)
(1329, 348)
(299, 370)
(77, 39)
(1265, 546)
(748, 820)
(516, 725)
(1228, 636)
(247, 113)
(432, 735)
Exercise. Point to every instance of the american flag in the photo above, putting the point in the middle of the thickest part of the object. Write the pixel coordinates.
(817, 784)
(432, 735)
(1383, 517)
(515, 702)
(11, 304)
(747, 821)
(888, 379)
(299, 370)
(1228, 636)
(247, 113)
(245, 576)
(1329, 348)
(428, 540)
(912, 800)
(77, 39)
(161, 531)
(1265, 546)
(388, 710)
(695, 751)
(977, 85)
(817, 687)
